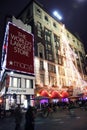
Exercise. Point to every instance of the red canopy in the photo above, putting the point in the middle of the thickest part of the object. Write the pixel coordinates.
(65, 94)
(44, 93)
(55, 94)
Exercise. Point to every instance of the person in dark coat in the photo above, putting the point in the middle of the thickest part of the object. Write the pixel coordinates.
(29, 119)
(18, 117)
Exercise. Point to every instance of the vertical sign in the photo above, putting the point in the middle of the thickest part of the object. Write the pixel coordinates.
(20, 52)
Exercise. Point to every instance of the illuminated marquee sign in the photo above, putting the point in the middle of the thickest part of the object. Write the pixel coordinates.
(20, 52)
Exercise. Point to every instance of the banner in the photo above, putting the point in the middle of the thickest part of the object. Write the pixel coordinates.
(20, 52)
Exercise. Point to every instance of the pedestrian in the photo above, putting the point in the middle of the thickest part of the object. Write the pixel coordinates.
(18, 117)
(29, 119)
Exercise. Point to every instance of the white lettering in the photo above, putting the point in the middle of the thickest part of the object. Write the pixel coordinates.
(21, 45)
(23, 66)
(20, 51)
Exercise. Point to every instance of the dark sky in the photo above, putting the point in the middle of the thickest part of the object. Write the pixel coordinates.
(74, 13)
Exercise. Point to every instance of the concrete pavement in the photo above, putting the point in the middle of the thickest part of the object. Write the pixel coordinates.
(8, 123)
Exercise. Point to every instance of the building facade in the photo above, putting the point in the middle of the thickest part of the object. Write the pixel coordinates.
(59, 55)
(17, 75)
(59, 60)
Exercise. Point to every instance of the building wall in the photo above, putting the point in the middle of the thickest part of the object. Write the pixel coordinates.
(16, 82)
(60, 52)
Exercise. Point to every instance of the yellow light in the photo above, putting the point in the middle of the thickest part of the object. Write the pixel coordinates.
(38, 94)
(0, 100)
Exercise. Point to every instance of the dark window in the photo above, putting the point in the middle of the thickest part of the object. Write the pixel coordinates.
(48, 45)
(46, 18)
(54, 24)
(60, 60)
(51, 68)
(41, 65)
(39, 29)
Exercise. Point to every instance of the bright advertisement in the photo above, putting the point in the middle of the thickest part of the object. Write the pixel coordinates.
(20, 53)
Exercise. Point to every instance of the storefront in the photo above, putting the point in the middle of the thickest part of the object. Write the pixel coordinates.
(19, 89)
(17, 75)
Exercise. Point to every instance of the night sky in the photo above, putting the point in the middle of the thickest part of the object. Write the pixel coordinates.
(74, 13)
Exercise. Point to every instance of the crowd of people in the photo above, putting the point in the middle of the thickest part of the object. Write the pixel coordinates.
(29, 118)
(50, 107)
(18, 117)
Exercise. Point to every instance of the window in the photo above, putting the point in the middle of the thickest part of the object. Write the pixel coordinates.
(42, 78)
(46, 18)
(18, 82)
(57, 41)
(51, 68)
(49, 56)
(41, 65)
(52, 80)
(28, 83)
(60, 60)
(77, 43)
(38, 12)
(57, 46)
(48, 45)
(40, 55)
(54, 24)
(62, 81)
(61, 70)
(47, 35)
(68, 35)
(73, 39)
(39, 29)
(40, 50)
(15, 82)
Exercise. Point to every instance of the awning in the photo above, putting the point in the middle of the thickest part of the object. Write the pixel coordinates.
(55, 94)
(44, 93)
(65, 94)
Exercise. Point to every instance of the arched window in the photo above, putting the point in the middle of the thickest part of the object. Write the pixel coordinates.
(40, 50)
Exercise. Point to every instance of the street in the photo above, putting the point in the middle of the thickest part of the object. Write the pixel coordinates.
(60, 120)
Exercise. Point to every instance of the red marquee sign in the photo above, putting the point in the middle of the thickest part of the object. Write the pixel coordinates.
(20, 51)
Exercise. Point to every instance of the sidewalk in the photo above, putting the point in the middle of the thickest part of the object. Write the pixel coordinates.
(8, 123)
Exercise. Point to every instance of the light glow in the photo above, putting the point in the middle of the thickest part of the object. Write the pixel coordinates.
(72, 71)
(57, 15)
